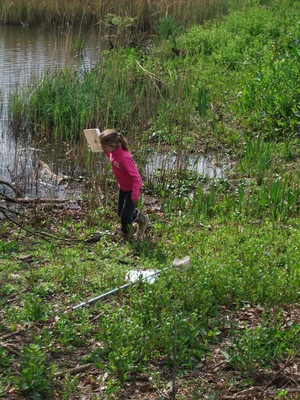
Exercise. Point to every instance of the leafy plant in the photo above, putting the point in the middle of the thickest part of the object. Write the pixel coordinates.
(260, 347)
(6, 247)
(35, 308)
(36, 378)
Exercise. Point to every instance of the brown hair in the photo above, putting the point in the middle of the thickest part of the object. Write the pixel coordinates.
(111, 137)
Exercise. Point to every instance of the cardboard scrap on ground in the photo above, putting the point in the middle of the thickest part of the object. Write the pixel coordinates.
(150, 275)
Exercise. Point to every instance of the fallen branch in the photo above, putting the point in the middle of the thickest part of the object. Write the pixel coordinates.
(36, 200)
(43, 235)
(48, 236)
(80, 368)
(5, 209)
(11, 348)
(245, 394)
(12, 186)
(288, 362)
(8, 335)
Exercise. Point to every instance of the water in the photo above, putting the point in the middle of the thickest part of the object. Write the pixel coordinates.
(206, 166)
(26, 53)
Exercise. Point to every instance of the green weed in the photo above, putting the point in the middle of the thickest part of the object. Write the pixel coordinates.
(259, 348)
(36, 377)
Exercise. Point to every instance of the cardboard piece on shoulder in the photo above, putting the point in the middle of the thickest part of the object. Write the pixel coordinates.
(92, 137)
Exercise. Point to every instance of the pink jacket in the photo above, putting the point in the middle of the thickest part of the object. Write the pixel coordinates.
(126, 172)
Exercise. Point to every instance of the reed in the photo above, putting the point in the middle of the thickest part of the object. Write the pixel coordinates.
(133, 87)
(145, 13)
(256, 159)
(163, 98)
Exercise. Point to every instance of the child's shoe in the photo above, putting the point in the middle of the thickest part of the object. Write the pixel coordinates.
(143, 221)
(127, 237)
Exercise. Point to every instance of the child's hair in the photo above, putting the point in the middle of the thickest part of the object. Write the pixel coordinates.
(111, 137)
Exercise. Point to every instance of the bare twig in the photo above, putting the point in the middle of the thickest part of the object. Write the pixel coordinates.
(43, 235)
(11, 348)
(37, 200)
(174, 387)
(76, 370)
(11, 186)
(288, 362)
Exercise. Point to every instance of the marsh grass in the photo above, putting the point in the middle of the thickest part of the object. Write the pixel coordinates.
(144, 13)
(137, 89)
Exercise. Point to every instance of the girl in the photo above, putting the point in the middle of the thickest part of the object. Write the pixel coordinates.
(115, 146)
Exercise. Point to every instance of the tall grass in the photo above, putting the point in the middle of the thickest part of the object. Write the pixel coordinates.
(145, 13)
(159, 97)
(117, 93)
(207, 83)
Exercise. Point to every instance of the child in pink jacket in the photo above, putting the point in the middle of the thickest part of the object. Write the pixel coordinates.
(115, 146)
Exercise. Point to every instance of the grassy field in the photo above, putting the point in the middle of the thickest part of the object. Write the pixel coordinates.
(226, 326)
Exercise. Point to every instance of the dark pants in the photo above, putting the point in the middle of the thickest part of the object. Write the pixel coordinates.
(126, 211)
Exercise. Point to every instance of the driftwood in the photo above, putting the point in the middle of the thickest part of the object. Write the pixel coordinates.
(36, 200)
(6, 210)
(22, 200)
(6, 200)
(11, 186)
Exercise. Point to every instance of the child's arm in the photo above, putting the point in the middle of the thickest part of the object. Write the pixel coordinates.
(135, 178)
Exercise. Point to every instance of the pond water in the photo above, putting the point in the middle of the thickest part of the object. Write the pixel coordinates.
(27, 52)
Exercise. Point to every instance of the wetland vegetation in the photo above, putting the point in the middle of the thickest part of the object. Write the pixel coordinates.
(227, 325)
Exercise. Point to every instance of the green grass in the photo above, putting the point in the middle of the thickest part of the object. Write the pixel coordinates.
(241, 254)
(235, 260)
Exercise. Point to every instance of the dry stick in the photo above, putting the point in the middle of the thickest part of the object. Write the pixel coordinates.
(174, 387)
(245, 396)
(242, 395)
(44, 235)
(161, 393)
(152, 76)
(11, 185)
(245, 393)
(11, 348)
(80, 368)
(11, 299)
(288, 361)
(8, 335)
(5, 209)
(36, 200)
